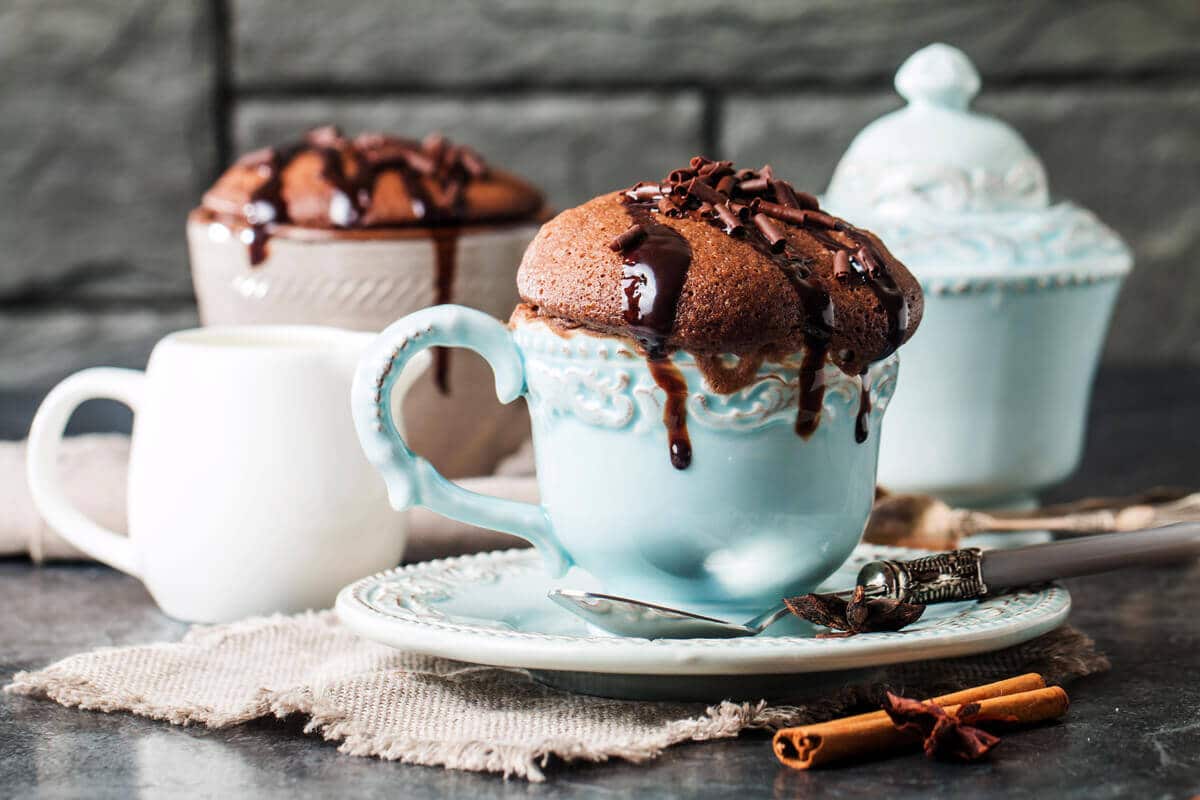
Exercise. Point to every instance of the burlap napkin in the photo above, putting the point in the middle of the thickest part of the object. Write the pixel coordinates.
(377, 701)
(93, 471)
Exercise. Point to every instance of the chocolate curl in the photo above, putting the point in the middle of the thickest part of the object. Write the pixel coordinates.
(419, 162)
(754, 186)
(452, 159)
(743, 211)
(628, 240)
(667, 207)
(697, 162)
(706, 210)
(869, 261)
(716, 170)
(733, 225)
(472, 162)
(808, 201)
(646, 191)
(434, 146)
(793, 215)
(745, 174)
(841, 266)
(767, 173)
(771, 232)
(702, 191)
(681, 175)
(325, 136)
(726, 185)
(786, 195)
(823, 220)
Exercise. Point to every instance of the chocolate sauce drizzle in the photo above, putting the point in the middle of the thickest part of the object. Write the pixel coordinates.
(445, 265)
(863, 418)
(435, 175)
(747, 205)
(656, 259)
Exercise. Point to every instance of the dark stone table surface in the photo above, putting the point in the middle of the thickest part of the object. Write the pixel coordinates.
(1133, 732)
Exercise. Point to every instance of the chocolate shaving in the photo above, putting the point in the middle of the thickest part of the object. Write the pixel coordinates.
(472, 162)
(726, 185)
(753, 186)
(786, 195)
(434, 146)
(681, 176)
(823, 220)
(808, 201)
(858, 615)
(793, 215)
(419, 162)
(716, 171)
(841, 266)
(702, 191)
(743, 211)
(646, 191)
(949, 735)
(770, 231)
(325, 136)
(733, 224)
(868, 260)
(628, 240)
(667, 207)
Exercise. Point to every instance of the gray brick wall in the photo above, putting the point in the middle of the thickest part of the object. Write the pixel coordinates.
(118, 112)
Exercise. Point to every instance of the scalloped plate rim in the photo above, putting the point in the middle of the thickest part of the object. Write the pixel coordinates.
(628, 656)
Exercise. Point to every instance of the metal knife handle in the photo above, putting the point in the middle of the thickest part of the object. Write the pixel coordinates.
(939, 578)
(1091, 554)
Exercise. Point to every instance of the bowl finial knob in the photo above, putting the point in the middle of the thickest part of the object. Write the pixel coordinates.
(938, 75)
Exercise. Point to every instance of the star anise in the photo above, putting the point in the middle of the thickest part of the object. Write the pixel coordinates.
(859, 614)
(950, 735)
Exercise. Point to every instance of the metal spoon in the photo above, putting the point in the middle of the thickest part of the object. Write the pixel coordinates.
(953, 576)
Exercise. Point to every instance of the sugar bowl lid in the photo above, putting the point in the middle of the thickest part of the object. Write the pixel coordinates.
(953, 190)
(936, 153)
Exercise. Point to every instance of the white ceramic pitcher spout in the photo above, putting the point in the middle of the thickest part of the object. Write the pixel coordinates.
(248, 491)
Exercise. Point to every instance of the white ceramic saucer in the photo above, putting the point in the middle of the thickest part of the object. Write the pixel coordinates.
(492, 608)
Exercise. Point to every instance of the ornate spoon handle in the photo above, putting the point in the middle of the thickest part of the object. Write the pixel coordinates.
(970, 574)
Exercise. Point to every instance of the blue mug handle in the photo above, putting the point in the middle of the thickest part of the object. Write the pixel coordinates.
(413, 481)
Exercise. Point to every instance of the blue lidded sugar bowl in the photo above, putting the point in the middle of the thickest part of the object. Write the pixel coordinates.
(1018, 291)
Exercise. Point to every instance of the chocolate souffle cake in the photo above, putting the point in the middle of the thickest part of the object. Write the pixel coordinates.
(720, 262)
(372, 184)
(358, 231)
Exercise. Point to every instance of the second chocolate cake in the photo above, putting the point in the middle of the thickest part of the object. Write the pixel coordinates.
(720, 261)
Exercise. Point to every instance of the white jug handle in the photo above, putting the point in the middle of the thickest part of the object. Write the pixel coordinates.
(41, 461)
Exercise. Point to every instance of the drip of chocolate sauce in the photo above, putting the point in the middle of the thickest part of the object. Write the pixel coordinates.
(653, 278)
(879, 280)
(651, 283)
(812, 388)
(445, 250)
(818, 316)
(861, 431)
(667, 375)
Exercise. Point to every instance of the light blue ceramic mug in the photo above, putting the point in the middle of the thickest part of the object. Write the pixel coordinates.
(760, 513)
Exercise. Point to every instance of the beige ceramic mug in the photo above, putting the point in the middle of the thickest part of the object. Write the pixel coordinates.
(365, 280)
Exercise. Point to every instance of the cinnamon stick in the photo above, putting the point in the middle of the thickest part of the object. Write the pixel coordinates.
(1025, 698)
